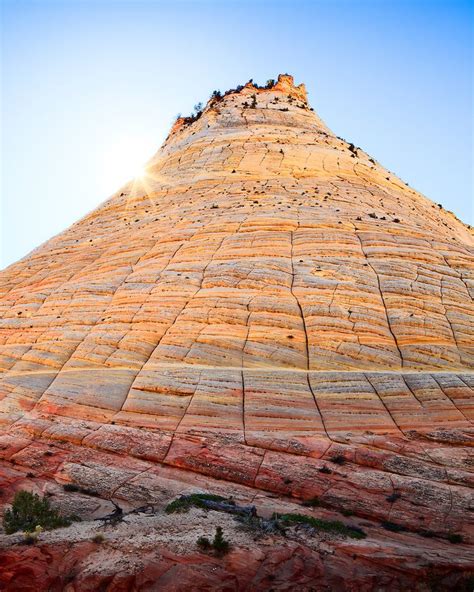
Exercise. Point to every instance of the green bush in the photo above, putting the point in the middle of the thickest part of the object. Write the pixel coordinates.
(29, 511)
(392, 526)
(194, 500)
(203, 543)
(314, 502)
(219, 544)
(334, 526)
(29, 539)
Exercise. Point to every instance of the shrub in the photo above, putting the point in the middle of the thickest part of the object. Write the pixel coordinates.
(219, 544)
(314, 502)
(29, 539)
(429, 534)
(253, 104)
(270, 83)
(70, 487)
(203, 543)
(29, 511)
(338, 459)
(325, 470)
(352, 149)
(194, 500)
(334, 526)
(90, 492)
(392, 526)
(393, 497)
(98, 539)
(455, 538)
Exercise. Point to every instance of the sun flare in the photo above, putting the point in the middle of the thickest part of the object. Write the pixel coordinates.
(125, 161)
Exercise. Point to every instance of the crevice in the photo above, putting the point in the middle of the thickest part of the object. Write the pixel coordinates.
(383, 404)
(382, 298)
(298, 302)
(452, 401)
(318, 408)
(243, 407)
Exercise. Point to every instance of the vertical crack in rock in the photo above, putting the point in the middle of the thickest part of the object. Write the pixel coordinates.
(308, 378)
(381, 298)
(243, 406)
(298, 302)
(397, 427)
(433, 376)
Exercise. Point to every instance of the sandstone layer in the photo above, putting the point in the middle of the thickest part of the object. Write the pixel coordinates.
(268, 313)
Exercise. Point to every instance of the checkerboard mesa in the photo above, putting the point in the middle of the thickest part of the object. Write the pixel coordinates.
(267, 316)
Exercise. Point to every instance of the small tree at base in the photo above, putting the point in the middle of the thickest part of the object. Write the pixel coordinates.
(220, 545)
(29, 511)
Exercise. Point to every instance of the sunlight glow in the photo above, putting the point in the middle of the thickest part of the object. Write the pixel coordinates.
(124, 162)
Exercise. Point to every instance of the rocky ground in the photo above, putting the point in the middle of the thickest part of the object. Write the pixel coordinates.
(409, 516)
(152, 550)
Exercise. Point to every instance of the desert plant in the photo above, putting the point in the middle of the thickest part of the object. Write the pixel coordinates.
(352, 149)
(314, 502)
(70, 487)
(194, 500)
(392, 526)
(455, 538)
(98, 538)
(334, 526)
(203, 543)
(29, 539)
(219, 544)
(338, 459)
(270, 83)
(29, 511)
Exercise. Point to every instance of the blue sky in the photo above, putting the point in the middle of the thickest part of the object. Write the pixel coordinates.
(90, 90)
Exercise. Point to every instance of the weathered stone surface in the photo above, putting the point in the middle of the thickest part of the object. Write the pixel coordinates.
(268, 314)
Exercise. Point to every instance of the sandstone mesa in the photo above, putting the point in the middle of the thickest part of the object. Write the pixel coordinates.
(268, 314)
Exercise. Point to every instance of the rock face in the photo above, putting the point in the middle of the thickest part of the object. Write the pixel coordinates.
(269, 313)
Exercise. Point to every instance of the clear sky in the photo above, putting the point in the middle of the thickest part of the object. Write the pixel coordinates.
(91, 88)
